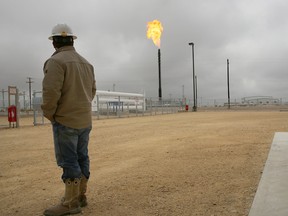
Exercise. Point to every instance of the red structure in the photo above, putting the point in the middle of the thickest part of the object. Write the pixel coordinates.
(12, 113)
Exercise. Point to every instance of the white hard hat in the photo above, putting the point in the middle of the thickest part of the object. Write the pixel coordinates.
(62, 30)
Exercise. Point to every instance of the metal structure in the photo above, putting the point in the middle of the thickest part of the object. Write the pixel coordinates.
(13, 92)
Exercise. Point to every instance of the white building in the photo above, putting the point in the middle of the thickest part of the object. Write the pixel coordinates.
(260, 100)
(118, 101)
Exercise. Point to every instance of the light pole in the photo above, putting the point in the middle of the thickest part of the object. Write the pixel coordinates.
(194, 91)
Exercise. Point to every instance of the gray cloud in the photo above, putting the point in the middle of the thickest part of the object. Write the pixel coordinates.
(112, 36)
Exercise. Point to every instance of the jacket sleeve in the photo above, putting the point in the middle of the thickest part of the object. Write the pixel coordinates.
(51, 87)
(94, 89)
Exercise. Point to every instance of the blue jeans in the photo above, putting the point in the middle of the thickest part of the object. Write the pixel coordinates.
(71, 150)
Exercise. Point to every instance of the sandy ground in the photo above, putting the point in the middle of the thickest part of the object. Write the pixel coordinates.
(204, 163)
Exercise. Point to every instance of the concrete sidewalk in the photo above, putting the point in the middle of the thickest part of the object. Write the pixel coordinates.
(271, 198)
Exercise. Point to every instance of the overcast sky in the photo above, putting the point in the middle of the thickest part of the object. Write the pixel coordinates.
(252, 34)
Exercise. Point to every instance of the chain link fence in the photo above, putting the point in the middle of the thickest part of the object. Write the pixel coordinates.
(117, 107)
(123, 105)
(120, 109)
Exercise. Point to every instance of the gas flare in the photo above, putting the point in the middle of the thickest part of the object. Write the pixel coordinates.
(154, 31)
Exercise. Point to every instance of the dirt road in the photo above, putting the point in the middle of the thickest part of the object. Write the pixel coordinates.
(204, 163)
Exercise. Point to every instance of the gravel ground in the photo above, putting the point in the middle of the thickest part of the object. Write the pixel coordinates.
(201, 163)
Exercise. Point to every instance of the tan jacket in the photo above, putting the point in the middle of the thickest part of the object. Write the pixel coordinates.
(68, 88)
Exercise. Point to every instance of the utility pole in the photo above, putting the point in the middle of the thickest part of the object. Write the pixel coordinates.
(228, 84)
(30, 93)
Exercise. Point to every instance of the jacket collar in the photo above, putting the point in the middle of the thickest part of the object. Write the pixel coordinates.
(64, 48)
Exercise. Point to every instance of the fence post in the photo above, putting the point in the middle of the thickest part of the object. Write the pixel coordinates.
(108, 113)
(151, 107)
(17, 103)
(143, 107)
(118, 110)
(98, 106)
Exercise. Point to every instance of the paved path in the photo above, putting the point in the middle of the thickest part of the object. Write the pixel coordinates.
(271, 198)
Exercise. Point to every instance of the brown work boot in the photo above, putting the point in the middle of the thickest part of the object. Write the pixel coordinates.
(82, 192)
(70, 204)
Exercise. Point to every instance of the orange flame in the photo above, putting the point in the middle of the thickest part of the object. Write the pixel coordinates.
(154, 31)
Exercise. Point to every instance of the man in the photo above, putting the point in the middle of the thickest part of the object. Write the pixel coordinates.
(68, 89)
